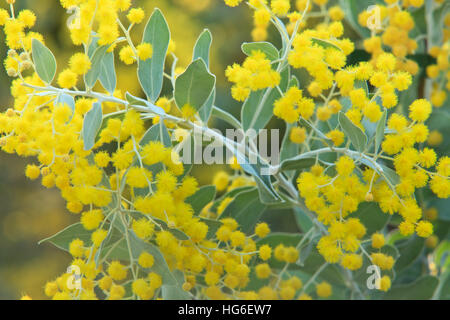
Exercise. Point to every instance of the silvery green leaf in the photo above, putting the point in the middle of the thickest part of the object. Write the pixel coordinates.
(421, 289)
(246, 208)
(202, 47)
(201, 198)
(354, 133)
(297, 162)
(91, 125)
(201, 50)
(150, 71)
(67, 99)
(63, 238)
(93, 74)
(44, 61)
(379, 134)
(194, 86)
(325, 43)
(107, 76)
(225, 116)
(266, 47)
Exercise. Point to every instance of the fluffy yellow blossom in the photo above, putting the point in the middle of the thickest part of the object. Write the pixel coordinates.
(323, 289)
(67, 79)
(262, 229)
(378, 240)
(117, 271)
(221, 180)
(80, 63)
(98, 236)
(136, 15)
(76, 248)
(265, 252)
(144, 51)
(384, 283)
(420, 110)
(297, 135)
(352, 261)
(126, 54)
(424, 229)
(91, 219)
(146, 260)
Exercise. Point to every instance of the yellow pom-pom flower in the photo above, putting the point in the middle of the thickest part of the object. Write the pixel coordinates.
(145, 51)
(136, 15)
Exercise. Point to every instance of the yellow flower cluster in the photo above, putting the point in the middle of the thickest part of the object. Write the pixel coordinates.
(104, 12)
(293, 105)
(410, 162)
(265, 12)
(318, 60)
(256, 73)
(395, 24)
(223, 181)
(439, 73)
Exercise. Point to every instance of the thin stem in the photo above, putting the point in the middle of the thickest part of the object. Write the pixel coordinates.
(314, 276)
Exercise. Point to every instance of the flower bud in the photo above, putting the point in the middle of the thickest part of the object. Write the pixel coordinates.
(45, 171)
(11, 72)
(26, 65)
(12, 53)
(10, 113)
(24, 56)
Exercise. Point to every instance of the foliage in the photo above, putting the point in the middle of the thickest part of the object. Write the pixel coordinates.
(355, 171)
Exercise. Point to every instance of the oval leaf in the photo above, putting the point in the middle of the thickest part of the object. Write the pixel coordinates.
(44, 61)
(410, 249)
(246, 209)
(194, 86)
(67, 99)
(63, 238)
(325, 44)
(92, 75)
(201, 198)
(91, 125)
(201, 50)
(107, 76)
(422, 289)
(150, 71)
(354, 133)
(266, 47)
(297, 163)
(202, 46)
(379, 134)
